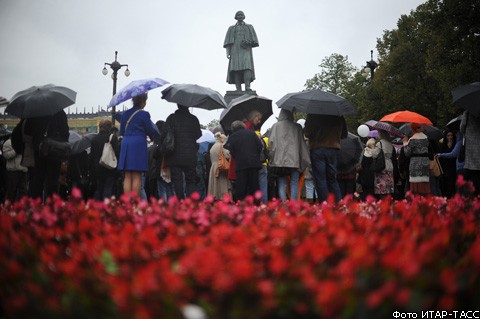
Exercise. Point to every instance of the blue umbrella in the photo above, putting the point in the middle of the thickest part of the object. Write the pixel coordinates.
(135, 88)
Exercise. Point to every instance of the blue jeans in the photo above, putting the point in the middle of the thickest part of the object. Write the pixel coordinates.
(165, 190)
(324, 168)
(310, 192)
(143, 193)
(263, 183)
(282, 185)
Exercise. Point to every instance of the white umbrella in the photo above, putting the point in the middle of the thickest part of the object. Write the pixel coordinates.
(207, 136)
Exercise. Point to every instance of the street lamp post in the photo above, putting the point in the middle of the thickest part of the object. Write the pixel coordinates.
(370, 67)
(115, 66)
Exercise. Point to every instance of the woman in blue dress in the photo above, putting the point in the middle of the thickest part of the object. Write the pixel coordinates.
(135, 126)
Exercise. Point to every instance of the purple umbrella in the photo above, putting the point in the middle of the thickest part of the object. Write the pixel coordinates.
(390, 129)
(135, 88)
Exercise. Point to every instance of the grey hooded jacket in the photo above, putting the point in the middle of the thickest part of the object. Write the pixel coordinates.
(287, 144)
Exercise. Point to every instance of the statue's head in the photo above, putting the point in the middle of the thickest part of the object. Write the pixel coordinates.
(239, 15)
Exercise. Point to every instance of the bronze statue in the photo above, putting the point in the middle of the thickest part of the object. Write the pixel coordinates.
(239, 41)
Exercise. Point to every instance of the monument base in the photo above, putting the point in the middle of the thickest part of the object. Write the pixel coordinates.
(230, 95)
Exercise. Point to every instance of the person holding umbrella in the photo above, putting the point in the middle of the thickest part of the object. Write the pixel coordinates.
(135, 126)
(288, 153)
(44, 175)
(324, 133)
(41, 107)
(470, 128)
(245, 146)
(449, 178)
(183, 159)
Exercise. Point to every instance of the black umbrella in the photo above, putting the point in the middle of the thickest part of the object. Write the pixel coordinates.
(431, 131)
(3, 101)
(454, 124)
(39, 101)
(80, 145)
(239, 108)
(4, 133)
(74, 136)
(350, 153)
(468, 97)
(317, 102)
(390, 129)
(193, 95)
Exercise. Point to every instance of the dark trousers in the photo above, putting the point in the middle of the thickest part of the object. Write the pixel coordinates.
(44, 178)
(105, 185)
(246, 183)
(16, 185)
(184, 180)
(474, 177)
(347, 186)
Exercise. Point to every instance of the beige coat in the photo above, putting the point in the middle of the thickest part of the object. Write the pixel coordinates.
(219, 185)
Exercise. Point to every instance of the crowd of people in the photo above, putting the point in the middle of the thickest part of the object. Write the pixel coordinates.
(408, 164)
(292, 161)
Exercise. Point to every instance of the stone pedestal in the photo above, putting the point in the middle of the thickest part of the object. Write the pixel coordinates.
(230, 95)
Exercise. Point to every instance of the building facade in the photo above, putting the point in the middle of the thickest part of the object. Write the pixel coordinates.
(82, 123)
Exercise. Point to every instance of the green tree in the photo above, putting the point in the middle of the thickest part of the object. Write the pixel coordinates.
(433, 50)
(336, 72)
(213, 124)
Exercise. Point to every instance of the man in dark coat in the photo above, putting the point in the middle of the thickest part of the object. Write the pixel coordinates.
(245, 147)
(183, 159)
(44, 175)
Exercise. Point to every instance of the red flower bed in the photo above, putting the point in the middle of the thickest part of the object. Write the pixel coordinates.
(135, 259)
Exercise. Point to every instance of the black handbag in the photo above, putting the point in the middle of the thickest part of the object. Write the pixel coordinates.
(378, 163)
(53, 149)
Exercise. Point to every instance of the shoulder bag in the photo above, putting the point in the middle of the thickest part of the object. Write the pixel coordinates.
(378, 163)
(108, 158)
(223, 162)
(53, 149)
(435, 167)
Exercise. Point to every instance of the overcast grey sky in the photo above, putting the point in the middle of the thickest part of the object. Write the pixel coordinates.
(67, 42)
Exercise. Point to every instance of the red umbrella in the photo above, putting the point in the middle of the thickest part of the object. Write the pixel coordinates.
(405, 117)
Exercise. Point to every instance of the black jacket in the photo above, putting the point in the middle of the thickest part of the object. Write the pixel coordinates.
(57, 126)
(245, 147)
(186, 132)
(98, 141)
